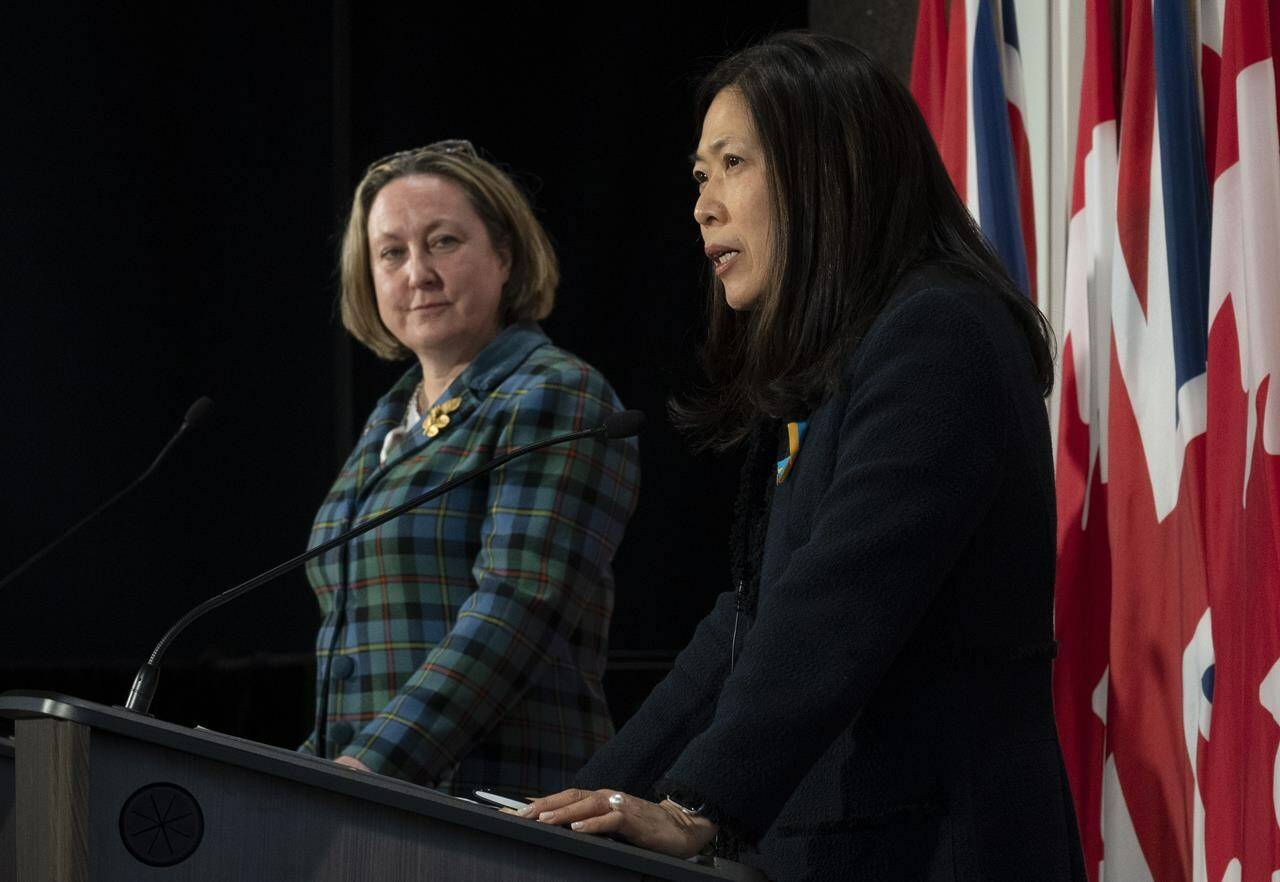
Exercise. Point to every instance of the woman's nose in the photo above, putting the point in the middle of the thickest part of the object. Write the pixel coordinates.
(422, 271)
(708, 210)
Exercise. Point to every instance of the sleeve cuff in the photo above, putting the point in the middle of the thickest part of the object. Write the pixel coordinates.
(308, 746)
(689, 797)
(363, 749)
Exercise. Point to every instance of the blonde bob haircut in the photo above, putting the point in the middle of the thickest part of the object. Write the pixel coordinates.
(530, 291)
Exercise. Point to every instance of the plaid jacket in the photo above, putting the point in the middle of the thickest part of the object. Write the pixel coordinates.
(463, 643)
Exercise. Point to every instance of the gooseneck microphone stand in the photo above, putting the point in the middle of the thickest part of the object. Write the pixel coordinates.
(623, 424)
(197, 413)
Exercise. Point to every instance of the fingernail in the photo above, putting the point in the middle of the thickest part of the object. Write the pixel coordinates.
(546, 816)
(524, 812)
(576, 825)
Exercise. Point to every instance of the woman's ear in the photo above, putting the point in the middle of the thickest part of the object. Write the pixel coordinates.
(505, 258)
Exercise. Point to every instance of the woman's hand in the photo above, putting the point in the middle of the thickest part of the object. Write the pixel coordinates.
(352, 763)
(661, 826)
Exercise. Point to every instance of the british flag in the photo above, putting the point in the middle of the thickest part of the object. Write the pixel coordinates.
(973, 99)
(1167, 686)
(1155, 445)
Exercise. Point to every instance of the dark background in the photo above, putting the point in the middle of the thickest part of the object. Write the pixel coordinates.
(174, 182)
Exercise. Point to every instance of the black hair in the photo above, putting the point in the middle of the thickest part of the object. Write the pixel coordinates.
(860, 196)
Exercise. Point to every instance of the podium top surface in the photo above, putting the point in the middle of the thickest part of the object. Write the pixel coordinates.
(326, 775)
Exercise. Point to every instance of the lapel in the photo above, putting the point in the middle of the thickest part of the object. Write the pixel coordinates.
(494, 364)
(387, 414)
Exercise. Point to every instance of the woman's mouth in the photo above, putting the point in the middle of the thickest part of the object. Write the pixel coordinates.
(724, 261)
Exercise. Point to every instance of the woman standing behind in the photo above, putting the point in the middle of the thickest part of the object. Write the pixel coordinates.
(873, 702)
(463, 643)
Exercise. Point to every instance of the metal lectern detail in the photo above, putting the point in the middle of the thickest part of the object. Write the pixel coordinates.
(161, 824)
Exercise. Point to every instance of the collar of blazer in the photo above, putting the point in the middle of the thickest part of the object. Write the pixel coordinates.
(487, 371)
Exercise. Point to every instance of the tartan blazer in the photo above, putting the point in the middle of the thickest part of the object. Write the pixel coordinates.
(463, 643)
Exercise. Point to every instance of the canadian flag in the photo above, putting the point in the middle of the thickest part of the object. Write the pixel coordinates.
(1167, 685)
(1240, 746)
(1082, 610)
(1168, 606)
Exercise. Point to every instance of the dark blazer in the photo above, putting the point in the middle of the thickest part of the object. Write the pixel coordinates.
(889, 715)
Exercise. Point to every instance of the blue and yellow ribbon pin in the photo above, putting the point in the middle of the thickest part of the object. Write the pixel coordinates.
(795, 435)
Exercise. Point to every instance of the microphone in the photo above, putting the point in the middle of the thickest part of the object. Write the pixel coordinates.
(197, 413)
(622, 424)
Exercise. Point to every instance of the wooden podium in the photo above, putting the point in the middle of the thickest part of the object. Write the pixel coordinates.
(8, 820)
(104, 794)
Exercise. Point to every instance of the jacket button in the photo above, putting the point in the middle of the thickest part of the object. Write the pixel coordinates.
(343, 666)
(340, 734)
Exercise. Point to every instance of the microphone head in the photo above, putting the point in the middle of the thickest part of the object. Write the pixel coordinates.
(198, 412)
(623, 424)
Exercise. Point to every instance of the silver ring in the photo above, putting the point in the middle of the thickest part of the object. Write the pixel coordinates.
(615, 801)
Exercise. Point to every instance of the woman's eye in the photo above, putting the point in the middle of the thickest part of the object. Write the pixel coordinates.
(390, 253)
(699, 177)
(730, 161)
(445, 241)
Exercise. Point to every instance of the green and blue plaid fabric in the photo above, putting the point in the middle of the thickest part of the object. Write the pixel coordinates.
(465, 641)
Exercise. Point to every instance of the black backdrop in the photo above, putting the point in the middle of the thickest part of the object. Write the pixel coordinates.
(173, 184)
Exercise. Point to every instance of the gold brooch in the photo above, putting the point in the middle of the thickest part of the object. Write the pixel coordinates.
(438, 417)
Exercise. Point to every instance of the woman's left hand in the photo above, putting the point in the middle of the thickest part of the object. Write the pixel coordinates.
(352, 763)
(659, 826)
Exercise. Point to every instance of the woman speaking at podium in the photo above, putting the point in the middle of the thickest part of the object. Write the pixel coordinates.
(873, 701)
(463, 643)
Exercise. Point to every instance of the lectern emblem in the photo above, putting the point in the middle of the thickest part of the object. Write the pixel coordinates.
(161, 824)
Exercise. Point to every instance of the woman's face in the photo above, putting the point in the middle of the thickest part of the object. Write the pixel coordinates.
(733, 200)
(437, 276)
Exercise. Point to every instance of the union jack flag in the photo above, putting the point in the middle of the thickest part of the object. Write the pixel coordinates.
(1167, 686)
(973, 99)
